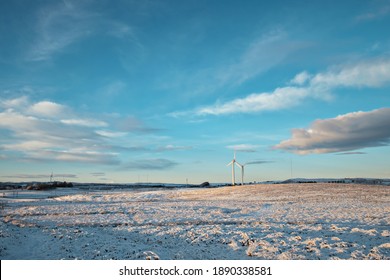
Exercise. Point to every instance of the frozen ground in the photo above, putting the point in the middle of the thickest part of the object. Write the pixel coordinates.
(291, 221)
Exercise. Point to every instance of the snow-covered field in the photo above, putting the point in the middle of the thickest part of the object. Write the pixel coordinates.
(287, 221)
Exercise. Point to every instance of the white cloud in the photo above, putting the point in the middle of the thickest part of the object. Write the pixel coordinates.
(370, 73)
(86, 156)
(111, 134)
(17, 122)
(14, 103)
(28, 145)
(174, 148)
(84, 122)
(347, 132)
(249, 148)
(47, 109)
(301, 78)
(151, 164)
(280, 98)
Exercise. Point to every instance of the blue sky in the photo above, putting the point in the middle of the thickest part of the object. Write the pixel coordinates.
(165, 91)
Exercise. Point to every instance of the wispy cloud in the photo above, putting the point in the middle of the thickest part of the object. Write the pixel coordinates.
(133, 124)
(347, 132)
(351, 153)
(254, 58)
(58, 26)
(84, 122)
(280, 98)
(120, 30)
(111, 134)
(18, 102)
(39, 176)
(371, 73)
(112, 89)
(171, 147)
(375, 13)
(90, 156)
(98, 174)
(263, 53)
(247, 148)
(150, 164)
(63, 24)
(259, 162)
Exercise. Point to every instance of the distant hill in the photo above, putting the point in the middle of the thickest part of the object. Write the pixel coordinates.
(369, 181)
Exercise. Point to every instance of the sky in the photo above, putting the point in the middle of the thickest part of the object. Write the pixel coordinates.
(166, 91)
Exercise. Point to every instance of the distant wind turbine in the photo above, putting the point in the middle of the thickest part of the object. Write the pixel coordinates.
(232, 163)
(242, 172)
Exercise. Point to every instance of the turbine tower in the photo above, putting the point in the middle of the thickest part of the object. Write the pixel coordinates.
(232, 163)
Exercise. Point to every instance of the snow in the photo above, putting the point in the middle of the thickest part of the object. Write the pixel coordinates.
(282, 221)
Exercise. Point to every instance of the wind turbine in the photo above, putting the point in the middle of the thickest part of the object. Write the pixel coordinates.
(242, 172)
(232, 163)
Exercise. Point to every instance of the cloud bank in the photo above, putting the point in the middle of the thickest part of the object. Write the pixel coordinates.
(344, 133)
(48, 131)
